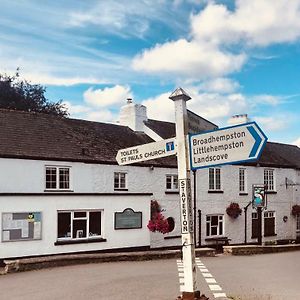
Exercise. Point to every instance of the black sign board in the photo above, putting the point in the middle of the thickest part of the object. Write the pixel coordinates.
(128, 219)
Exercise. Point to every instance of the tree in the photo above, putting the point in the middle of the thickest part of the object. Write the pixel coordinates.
(19, 94)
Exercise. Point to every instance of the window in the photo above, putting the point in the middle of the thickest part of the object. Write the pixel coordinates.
(254, 225)
(298, 222)
(214, 225)
(78, 224)
(172, 182)
(214, 179)
(269, 179)
(242, 180)
(269, 223)
(57, 178)
(120, 181)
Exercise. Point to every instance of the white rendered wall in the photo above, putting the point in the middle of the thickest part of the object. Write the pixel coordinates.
(215, 203)
(49, 205)
(28, 176)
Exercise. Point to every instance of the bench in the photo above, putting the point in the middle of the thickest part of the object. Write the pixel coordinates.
(219, 242)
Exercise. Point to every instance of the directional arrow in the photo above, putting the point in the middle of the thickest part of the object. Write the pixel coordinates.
(229, 145)
(146, 152)
(257, 139)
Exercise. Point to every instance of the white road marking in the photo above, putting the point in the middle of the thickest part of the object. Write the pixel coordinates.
(209, 279)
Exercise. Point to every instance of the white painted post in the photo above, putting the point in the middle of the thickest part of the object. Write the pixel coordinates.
(179, 96)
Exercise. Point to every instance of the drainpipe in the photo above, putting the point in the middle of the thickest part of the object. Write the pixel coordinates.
(245, 210)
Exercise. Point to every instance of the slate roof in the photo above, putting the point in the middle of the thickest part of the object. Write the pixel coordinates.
(45, 137)
(164, 129)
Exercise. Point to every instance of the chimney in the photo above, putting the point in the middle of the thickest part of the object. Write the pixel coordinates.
(238, 119)
(133, 115)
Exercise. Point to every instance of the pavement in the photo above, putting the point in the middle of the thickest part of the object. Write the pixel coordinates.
(39, 262)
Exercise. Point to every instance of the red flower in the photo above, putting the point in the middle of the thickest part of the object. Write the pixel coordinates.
(158, 222)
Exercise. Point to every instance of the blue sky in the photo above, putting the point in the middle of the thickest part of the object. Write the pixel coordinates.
(232, 57)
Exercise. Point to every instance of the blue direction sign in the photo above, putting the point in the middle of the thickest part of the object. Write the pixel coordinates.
(229, 145)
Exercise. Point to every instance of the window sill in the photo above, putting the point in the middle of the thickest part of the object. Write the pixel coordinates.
(171, 192)
(121, 190)
(215, 191)
(271, 192)
(58, 191)
(243, 194)
(83, 241)
(172, 237)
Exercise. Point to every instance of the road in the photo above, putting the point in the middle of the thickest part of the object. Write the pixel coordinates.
(263, 277)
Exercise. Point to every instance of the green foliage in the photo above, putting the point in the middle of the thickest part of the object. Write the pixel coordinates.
(19, 94)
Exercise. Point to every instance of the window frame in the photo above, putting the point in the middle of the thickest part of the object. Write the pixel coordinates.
(269, 215)
(297, 223)
(58, 180)
(221, 220)
(119, 187)
(243, 188)
(269, 180)
(214, 179)
(174, 178)
(86, 218)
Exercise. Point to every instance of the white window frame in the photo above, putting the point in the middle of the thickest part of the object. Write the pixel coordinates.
(214, 173)
(57, 182)
(119, 187)
(269, 179)
(269, 215)
(243, 180)
(174, 182)
(208, 223)
(87, 218)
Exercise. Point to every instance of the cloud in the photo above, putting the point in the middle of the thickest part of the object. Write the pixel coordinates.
(255, 22)
(101, 116)
(75, 109)
(188, 59)
(297, 142)
(212, 106)
(115, 95)
(160, 107)
(126, 19)
(46, 79)
(220, 38)
(273, 123)
(220, 85)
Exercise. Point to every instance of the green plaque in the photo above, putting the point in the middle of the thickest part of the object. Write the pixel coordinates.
(128, 219)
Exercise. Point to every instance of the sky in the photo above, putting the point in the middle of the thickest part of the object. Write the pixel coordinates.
(231, 57)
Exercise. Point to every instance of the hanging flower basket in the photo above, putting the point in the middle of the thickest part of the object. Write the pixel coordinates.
(158, 223)
(233, 210)
(296, 210)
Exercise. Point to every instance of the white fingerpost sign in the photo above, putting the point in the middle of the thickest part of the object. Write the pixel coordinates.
(240, 143)
(180, 97)
(146, 152)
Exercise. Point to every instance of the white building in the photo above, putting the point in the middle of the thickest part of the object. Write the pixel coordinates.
(62, 191)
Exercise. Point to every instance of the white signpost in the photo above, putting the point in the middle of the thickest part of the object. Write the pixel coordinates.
(180, 98)
(222, 146)
(146, 152)
(234, 144)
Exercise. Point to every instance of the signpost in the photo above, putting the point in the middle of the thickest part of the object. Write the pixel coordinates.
(229, 145)
(180, 98)
(146, 152)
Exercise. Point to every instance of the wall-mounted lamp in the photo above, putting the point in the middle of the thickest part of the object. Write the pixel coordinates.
(285, 218)
(151, 168)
